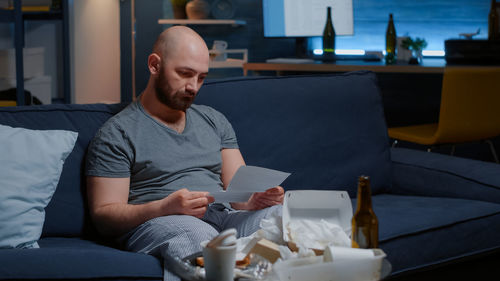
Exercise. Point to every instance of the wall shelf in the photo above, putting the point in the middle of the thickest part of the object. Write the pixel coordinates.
(50, 15)
(202, 22)
(7, 15)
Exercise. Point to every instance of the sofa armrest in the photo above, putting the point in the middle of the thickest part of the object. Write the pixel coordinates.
(422, 173)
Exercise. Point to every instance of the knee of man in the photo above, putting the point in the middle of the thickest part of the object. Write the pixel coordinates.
(183, 233)
(191, 227)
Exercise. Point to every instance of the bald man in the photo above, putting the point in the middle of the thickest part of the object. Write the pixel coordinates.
(151, 168)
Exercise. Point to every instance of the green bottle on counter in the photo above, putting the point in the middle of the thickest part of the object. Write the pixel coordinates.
(329, 35)
(390, 42)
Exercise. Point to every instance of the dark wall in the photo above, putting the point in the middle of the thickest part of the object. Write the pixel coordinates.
(249, 36)
(147, 14)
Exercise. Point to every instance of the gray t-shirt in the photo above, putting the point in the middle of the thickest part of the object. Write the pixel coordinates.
(158, 159)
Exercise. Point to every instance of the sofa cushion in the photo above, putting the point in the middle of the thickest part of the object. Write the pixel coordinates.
(31, 164)
(66, 212)
(325, 130)
(433, 174)
(74, 258)
(416, 231)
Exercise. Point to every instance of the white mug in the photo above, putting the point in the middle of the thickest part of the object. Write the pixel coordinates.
(218, 50)
(219, 262)
(219, 45)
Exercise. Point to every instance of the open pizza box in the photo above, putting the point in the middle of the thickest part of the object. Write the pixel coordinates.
(333, 207)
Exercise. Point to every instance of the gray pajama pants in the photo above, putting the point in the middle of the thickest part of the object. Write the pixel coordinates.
(184, 233)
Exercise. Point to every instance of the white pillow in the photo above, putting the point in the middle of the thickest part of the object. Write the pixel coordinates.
(31, 163)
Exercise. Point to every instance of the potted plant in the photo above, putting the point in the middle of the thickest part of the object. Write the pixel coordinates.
(415, 46)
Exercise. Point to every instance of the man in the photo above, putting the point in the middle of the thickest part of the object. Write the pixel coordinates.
(151, 167)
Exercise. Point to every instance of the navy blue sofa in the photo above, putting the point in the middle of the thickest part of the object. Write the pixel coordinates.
(326, 130)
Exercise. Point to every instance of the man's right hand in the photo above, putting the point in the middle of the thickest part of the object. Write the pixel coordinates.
(185, 202)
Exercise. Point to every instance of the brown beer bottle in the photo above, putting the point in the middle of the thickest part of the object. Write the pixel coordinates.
(364, 221)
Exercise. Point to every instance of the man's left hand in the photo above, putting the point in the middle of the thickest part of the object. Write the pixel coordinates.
(260, 200)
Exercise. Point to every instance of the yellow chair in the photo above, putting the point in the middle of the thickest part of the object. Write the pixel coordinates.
(8, 103)
(470, 110)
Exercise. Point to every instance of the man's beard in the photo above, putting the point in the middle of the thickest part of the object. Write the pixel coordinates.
(178, 100)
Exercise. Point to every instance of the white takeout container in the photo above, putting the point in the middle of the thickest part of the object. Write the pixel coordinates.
(314, 269)
(332, 206)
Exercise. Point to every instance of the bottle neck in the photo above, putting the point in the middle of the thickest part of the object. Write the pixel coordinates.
(329, 14)
(364, 201)
(391, 30)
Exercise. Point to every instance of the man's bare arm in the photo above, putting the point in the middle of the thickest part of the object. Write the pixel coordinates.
(113, 216)
(232, 160)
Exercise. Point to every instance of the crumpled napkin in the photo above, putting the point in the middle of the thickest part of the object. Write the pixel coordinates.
(317, 234)
(306, 234)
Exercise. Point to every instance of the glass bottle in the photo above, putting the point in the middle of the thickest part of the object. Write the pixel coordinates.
(390, 42)
(493, 32)
(364, 221)
(329, 35)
